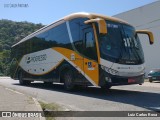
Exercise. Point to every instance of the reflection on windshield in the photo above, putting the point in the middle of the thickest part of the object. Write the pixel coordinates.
(121, 44)
(109, 44)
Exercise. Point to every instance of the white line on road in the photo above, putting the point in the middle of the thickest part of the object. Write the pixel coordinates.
(14, 91)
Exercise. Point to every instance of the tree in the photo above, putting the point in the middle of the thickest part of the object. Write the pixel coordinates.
(12, 32)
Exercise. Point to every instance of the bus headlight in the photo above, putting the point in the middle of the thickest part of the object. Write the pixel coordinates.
(109, 70)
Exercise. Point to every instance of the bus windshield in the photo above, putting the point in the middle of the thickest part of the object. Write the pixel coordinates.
(121, 44)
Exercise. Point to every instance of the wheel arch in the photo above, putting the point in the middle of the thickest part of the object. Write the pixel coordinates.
(62, 71)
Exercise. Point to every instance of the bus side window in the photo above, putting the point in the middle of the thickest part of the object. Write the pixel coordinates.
(89, 40)
(90, 46)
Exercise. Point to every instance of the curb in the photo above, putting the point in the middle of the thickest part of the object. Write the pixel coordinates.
(4, 77)
(39, 108)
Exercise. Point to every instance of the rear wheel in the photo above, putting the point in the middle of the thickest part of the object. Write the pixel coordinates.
(68, 80)
(21, 81)
(48, 83)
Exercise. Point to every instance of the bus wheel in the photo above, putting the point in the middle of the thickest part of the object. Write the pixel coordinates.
(105, 87)
(21, 81)
(48, 83)
(150, 80)
(68, 80)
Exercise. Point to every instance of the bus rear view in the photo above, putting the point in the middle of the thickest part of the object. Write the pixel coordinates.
(82, 49)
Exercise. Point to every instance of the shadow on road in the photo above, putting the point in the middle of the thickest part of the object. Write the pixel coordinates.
(137, 98)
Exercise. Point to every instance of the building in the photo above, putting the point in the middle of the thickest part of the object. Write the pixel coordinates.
(147, 17)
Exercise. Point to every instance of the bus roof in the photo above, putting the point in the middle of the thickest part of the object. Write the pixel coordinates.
(92, 16)
(70, 17)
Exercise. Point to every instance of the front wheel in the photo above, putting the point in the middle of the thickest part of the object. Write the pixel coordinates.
(106, 87)
(150, 80)
(68, 80)
(21, 81)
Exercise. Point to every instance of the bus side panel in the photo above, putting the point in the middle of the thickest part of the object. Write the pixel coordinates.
(54, 75)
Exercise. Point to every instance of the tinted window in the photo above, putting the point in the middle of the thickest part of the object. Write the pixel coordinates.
(89, 40)
(110, 43)
(77, 25)
(120, 44)
(55, 37)
(90, 45)
(83, 38)
(58, 34)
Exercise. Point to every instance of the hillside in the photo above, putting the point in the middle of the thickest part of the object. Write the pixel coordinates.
(10, 33)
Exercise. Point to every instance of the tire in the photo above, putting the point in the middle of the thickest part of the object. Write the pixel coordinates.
(68, 80)
(48, 83)
(21, 81)
(150, 80)
(106, 87)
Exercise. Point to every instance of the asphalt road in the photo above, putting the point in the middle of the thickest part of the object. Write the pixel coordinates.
(120, 98)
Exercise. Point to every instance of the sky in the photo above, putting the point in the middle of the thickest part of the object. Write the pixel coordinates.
(48, 11)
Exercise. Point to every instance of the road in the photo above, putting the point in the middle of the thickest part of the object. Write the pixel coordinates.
(120, 98)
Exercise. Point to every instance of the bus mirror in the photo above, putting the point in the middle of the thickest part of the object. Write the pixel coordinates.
(102, 27)
(150, 35)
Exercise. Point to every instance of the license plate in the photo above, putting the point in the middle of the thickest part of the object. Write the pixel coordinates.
(131, 81)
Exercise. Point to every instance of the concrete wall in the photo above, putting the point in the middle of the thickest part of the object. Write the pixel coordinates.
(147, 17)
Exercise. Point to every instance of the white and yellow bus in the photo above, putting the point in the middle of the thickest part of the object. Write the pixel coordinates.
(82, 49)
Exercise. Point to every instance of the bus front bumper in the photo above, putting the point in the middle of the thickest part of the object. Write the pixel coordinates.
(117, 80)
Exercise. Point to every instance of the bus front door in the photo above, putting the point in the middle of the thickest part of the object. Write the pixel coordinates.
(91, 70)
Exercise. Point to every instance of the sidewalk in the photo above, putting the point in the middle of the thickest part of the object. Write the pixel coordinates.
(11, 100)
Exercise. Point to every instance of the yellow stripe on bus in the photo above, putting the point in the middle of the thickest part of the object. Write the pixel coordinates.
(81, 63)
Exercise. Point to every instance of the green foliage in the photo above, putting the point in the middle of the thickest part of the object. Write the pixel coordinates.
(11, 67)
(10, 33)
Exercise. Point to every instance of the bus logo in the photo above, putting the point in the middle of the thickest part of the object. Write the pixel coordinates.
(28, 60)
(34, 59)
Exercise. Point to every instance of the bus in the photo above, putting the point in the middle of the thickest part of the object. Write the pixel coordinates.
(82, 49)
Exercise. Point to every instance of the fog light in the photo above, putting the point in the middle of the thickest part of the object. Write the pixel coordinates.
(108, 79)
